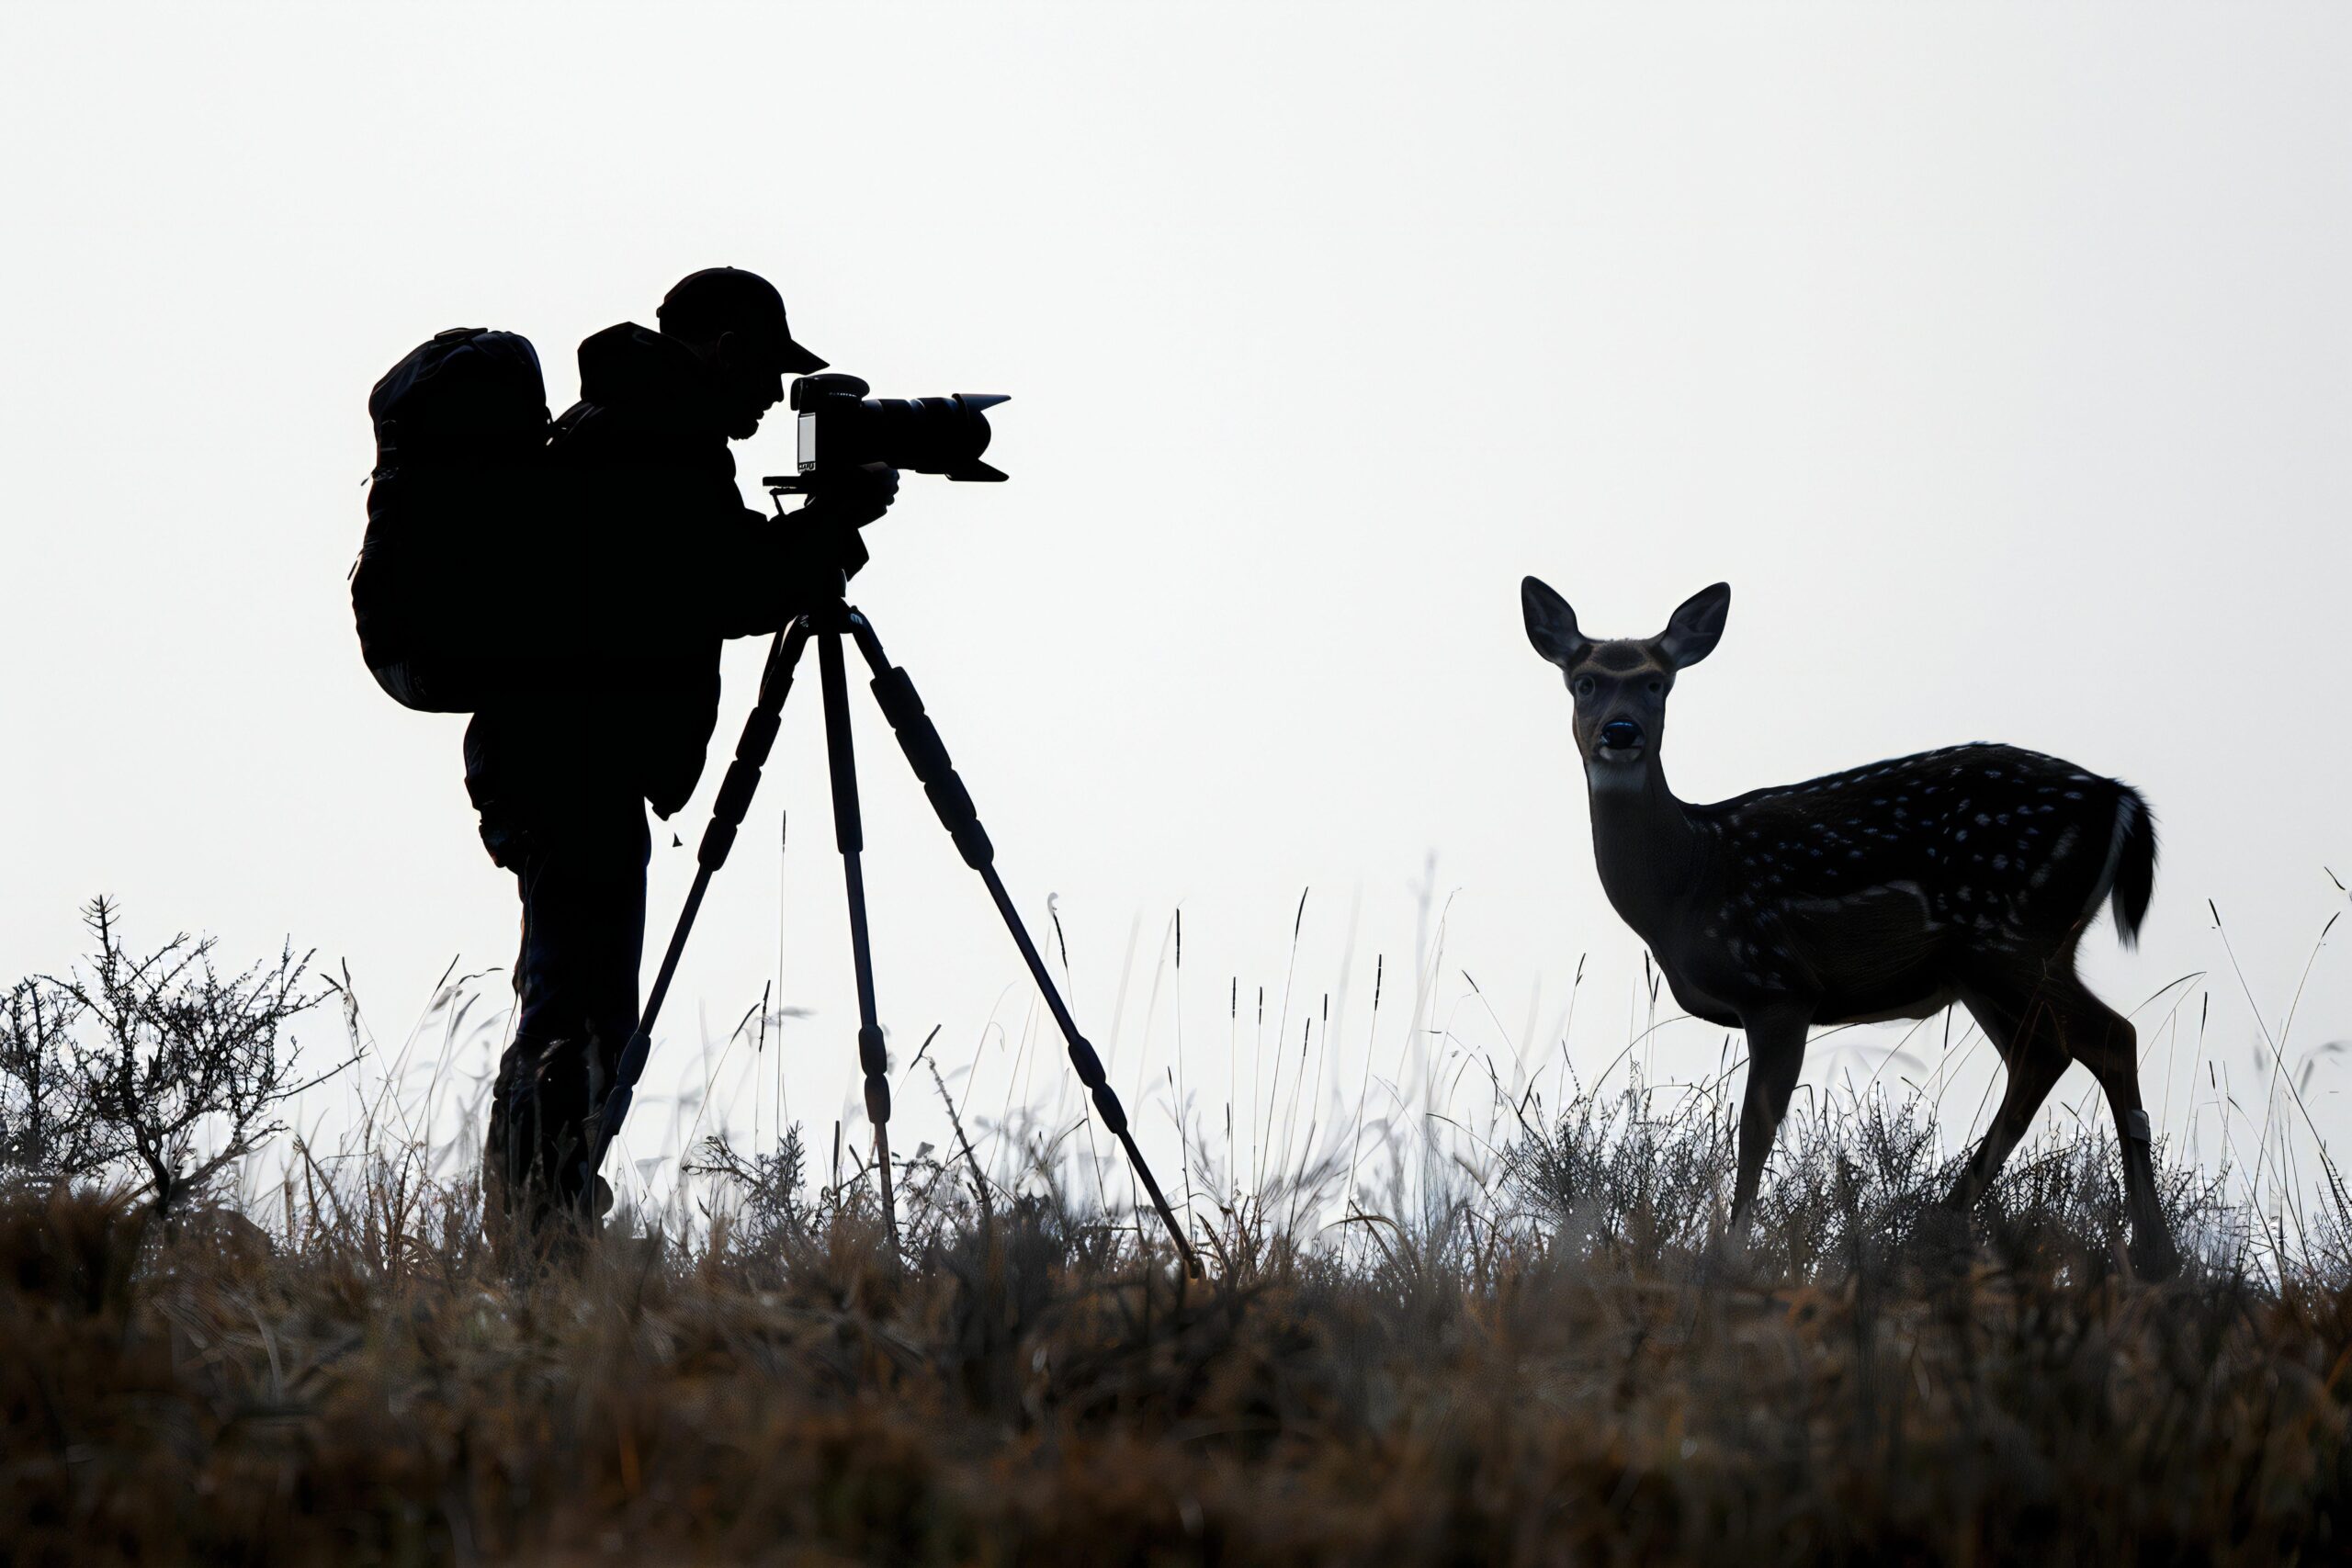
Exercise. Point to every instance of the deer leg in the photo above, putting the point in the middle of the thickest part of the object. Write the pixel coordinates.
(2029, 1041)
(2105, 1041)
(1775, 1053)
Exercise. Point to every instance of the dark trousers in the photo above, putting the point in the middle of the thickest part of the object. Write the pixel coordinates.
(581, 872)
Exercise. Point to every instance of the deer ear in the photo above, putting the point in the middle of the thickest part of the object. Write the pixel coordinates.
(1551, 624)
(1696, 627)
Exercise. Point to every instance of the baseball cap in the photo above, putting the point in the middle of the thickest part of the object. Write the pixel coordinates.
(728, 298)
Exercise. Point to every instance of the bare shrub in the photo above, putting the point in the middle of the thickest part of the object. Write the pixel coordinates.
(156, 1066)
(772, 1208)
(48, 1131)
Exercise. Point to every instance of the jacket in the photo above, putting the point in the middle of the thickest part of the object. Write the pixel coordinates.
(649, 561)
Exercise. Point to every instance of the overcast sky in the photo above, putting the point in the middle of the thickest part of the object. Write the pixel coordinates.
(2000, 357)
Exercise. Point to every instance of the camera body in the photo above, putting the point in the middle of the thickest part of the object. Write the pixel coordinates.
(838, 426)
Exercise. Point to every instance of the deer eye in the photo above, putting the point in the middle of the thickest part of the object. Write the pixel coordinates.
(1657, 686)
(1583, 686)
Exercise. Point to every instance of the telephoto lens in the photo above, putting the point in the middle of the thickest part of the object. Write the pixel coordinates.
(841, 427)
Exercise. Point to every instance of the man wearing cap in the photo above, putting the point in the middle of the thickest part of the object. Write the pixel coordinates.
(650, 563)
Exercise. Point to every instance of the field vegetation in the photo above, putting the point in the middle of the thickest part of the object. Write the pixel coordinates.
(1550, 1354)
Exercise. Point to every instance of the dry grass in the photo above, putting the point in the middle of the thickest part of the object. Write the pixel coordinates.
(1565, 1368)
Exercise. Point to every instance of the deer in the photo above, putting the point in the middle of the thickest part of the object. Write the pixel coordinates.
(1967, 874)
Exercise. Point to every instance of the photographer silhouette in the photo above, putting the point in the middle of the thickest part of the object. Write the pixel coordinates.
(624, 598)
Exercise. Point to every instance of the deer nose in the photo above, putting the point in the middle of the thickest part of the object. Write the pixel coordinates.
(1620, 733)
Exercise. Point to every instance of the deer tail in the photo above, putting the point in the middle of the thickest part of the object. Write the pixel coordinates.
(2130, 880)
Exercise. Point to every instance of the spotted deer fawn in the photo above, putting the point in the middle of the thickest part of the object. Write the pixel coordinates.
(1967, 874)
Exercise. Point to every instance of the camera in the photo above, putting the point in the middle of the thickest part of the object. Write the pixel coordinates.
(841, 427)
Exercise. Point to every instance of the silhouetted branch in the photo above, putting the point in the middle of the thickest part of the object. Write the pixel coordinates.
(155, 1061)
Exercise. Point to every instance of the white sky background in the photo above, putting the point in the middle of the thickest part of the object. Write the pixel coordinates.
(1996, 355)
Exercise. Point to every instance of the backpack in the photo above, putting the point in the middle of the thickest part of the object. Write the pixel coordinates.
(453, 507)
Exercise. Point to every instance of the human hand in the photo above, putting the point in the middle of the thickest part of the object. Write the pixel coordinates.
(856, 496)
(827, 547)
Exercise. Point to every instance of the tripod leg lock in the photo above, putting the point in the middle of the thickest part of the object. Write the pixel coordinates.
(717, 840)
(759, 735)
(726, 812)
(927, 754)
(876, 1061)
(1090, 1073)
(614, 1109)
(735, 794)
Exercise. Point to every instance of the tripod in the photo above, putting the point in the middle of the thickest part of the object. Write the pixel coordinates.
(828, 626)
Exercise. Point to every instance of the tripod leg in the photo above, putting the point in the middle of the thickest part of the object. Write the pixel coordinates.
(849, 834)
(919, 738)
(726, 817)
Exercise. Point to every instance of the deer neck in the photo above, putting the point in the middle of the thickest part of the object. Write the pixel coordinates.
(1644, 843)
